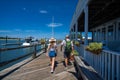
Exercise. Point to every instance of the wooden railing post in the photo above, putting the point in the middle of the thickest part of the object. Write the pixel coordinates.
(34, 54)
(45, 47)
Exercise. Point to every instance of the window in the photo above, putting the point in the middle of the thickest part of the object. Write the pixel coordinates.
(110, 30)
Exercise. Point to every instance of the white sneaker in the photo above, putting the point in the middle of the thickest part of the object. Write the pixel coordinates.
(51, 71)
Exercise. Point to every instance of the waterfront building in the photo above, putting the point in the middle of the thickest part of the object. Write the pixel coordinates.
(102, 18)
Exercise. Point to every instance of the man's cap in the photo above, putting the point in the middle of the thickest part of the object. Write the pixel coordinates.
(67, 36)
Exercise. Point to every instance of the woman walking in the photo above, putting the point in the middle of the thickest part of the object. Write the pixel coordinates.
(51, 52)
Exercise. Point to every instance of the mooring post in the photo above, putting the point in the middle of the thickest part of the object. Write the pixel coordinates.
(19, 41)
(6, 39)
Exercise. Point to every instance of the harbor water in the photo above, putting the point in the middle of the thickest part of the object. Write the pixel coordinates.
(13, 54)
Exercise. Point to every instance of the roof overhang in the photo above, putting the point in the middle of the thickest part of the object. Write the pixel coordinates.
(100, 11)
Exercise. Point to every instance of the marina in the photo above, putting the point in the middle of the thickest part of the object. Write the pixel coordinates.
(94, 30)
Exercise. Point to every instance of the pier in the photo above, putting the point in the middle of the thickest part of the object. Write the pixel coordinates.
(98, 17)
(39, 69)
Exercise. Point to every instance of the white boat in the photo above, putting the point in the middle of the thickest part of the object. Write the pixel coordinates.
(28, 41)
(26, 44)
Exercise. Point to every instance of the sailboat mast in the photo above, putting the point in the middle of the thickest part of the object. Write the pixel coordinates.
(53, 26)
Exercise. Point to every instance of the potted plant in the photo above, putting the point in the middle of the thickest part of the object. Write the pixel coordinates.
(94, 47)
(77, 43)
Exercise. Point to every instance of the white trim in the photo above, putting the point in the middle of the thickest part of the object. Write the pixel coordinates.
(76, 30)
(86, 24)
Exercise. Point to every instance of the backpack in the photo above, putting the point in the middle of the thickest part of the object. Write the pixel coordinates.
(68, 47)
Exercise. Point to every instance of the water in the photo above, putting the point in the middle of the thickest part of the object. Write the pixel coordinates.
(12, 54)
(9, 41)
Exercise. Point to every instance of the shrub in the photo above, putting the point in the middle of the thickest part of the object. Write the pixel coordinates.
(77, 43)
(94, 47)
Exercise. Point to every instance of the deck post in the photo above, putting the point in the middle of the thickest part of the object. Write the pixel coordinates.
(106, 66)
(118, 67)
(106, 35)
(45, 46)
(76, 30)
(86, 28)
(34, 54)
(86, 24)
(109, 66)
(113, 68)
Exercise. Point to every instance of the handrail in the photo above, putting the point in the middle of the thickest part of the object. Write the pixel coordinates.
(112, 52)
(107, 63)
(6, 49)
(34, 52)
(85, 71)
(7, 44)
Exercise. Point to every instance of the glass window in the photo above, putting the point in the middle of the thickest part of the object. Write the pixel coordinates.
(110, 30)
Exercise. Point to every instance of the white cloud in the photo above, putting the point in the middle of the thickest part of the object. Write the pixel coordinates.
(5, 31)
(54, 24)
(43, 11)
(29, 30)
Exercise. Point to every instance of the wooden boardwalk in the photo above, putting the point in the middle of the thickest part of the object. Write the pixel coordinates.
(39, 69)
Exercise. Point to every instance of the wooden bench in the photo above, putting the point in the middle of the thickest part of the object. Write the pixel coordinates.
(85, 71)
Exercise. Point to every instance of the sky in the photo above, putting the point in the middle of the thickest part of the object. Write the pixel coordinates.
(24, 18)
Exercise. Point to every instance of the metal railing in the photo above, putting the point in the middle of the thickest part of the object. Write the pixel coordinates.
(107, 63)
(31, 50)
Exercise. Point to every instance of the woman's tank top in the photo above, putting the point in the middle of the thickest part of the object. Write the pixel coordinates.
(52, 47)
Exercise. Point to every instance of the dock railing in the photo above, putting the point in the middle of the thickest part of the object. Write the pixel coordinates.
(30, 50)
(107, 63)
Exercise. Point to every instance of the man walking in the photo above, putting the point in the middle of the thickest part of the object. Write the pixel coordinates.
(68, 47)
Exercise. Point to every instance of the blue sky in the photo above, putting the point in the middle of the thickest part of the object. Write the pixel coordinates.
(23, 18)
